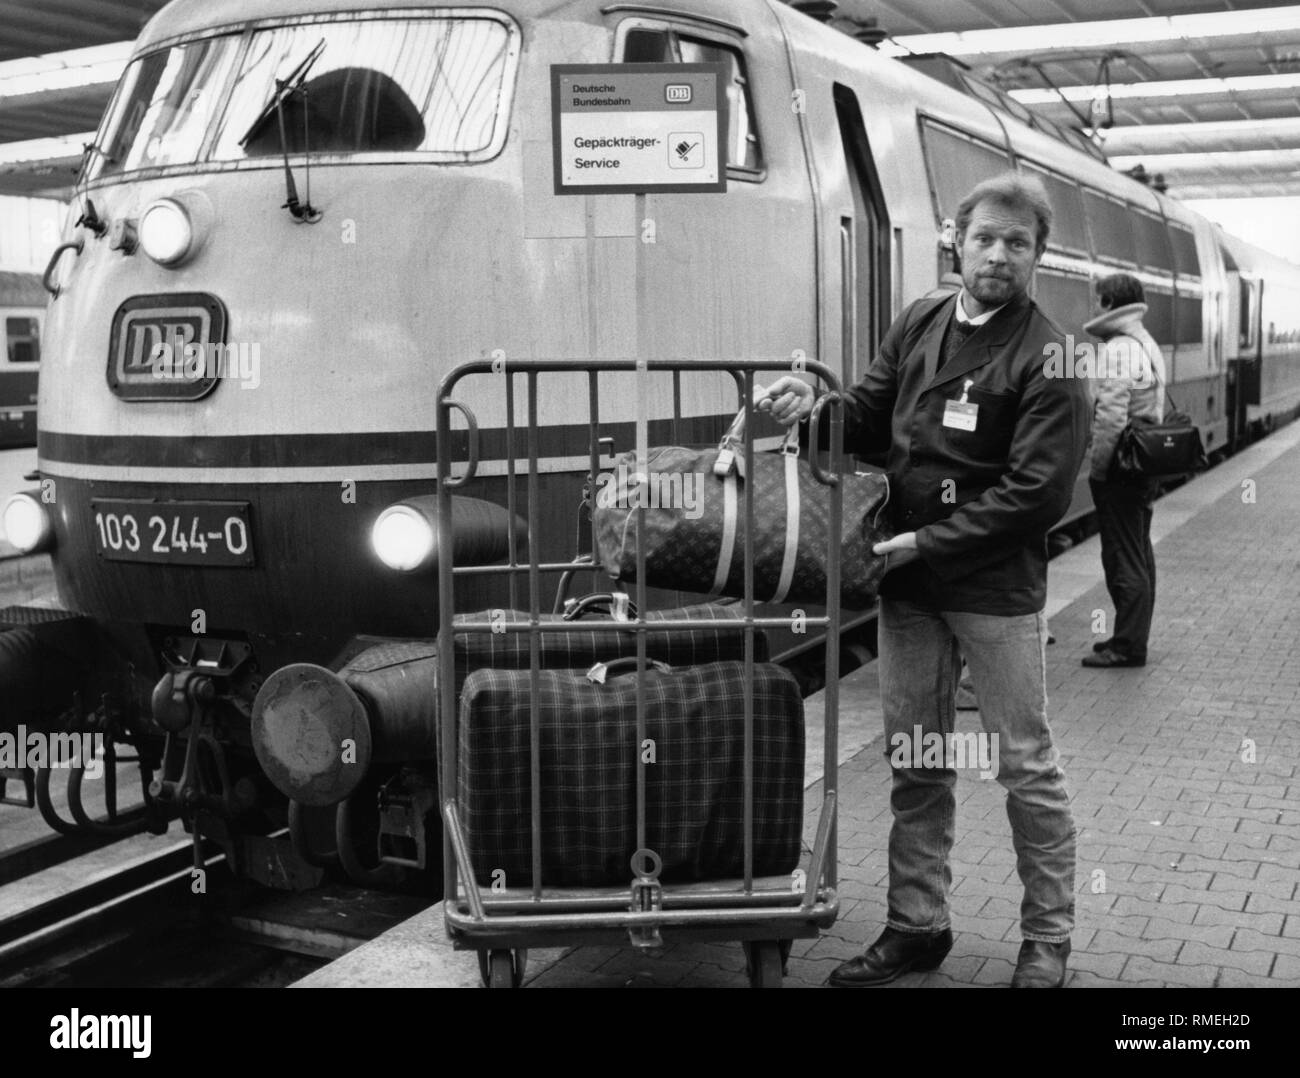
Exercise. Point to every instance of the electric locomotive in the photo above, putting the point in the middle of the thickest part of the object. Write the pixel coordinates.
(298, 215)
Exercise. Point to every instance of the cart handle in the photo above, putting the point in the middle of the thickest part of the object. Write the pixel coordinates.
(825, 478)
(472, 423)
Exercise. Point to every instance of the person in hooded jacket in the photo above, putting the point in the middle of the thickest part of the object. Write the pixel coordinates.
(1129, 383)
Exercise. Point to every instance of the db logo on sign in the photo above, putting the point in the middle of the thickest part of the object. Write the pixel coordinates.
(678, 94)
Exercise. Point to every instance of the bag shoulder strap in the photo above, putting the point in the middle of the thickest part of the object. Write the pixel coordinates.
(1155, 373)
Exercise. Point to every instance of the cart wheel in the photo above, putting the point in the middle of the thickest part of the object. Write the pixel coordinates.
(502, 969)
(765, 963)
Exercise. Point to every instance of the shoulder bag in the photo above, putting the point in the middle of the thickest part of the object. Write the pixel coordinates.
(1148, 449)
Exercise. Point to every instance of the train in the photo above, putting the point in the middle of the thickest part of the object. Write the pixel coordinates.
(341, 203)
(22, 311)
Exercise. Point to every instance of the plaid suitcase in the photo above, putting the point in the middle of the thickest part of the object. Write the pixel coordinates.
(383, 673)
(694, 787)
(602, 643)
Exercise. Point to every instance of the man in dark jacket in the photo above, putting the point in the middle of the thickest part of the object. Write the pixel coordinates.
(983, 450)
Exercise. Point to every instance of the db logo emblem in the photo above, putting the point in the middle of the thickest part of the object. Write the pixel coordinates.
(678, 94)
(160, 346)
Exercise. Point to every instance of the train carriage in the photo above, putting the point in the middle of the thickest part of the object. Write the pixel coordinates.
(22, 310)
(236, 443)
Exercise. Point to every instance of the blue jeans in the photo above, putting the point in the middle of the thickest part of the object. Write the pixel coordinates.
(919, 664)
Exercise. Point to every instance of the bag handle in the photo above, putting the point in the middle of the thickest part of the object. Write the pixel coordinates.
(733, 442)
(598, 673)
(617, 604)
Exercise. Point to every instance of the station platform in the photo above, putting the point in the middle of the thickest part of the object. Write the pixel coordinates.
(1183, 777)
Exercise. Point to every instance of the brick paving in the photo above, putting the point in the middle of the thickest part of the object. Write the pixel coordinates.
(1184, 781)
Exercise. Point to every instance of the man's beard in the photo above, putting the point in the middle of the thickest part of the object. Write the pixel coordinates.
(992, 289)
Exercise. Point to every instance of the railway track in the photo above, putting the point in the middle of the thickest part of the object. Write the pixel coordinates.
(38, 854)
(142, 925)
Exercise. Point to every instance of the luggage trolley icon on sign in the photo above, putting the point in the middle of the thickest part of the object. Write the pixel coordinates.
(615, 772)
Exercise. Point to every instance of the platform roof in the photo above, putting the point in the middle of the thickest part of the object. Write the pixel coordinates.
(1206, 93)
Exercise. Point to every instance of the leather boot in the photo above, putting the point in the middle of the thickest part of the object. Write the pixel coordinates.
(1041, 965)
(892, 955)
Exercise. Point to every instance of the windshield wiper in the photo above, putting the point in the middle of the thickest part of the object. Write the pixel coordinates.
(284, 89)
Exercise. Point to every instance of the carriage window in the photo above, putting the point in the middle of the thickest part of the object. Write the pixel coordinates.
(1065, 299)
(23, 340)
(1069, 229)
(1153, 242)
(1187, 319)
(647, 46)
(1186, 260)
(1112, 227)
(1159, 318)
(429, 85)
(1248, 305)
(956, 164)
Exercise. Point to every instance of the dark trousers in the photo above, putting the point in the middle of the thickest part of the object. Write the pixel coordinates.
(1129, 562)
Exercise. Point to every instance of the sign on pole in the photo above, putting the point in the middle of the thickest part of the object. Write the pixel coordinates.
(634, 128)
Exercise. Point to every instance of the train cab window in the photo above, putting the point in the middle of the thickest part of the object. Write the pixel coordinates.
(350, 109)
(437, 85)
(1153, 247)
(23, 340)
(956, 163)
(643, 45)
(1069, 226)
(1113, 229)
(163, 107)
(1186, 260)
(427, 85)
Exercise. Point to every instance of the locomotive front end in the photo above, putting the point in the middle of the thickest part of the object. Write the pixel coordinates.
(265, 280)
(297, 217)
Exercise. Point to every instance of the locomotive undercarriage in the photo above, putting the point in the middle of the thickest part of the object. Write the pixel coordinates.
(63, 680)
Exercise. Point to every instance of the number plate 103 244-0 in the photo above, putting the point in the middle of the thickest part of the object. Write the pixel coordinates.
(173, 533)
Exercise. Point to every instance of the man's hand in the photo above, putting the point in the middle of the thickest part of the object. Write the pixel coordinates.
(789, 400)
(901, 550)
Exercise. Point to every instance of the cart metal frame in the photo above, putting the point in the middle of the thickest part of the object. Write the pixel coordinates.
(765, 913)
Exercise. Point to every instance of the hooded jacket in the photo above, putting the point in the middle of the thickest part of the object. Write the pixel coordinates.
(1129, 381)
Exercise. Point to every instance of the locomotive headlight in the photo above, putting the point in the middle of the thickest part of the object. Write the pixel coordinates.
(166, 232)
(403, 538)
(27, 524)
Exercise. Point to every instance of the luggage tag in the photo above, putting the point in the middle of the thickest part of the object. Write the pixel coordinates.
(960, 414)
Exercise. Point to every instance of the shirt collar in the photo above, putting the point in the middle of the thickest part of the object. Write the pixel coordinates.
(979, 319)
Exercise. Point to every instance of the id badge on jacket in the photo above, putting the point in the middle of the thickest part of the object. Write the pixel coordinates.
(961, 414)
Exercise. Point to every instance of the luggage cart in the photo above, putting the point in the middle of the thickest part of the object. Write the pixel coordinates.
(765, 913)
